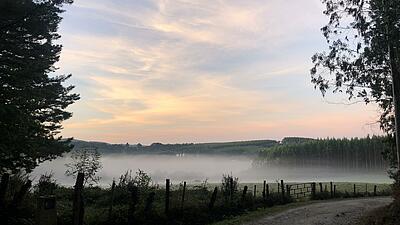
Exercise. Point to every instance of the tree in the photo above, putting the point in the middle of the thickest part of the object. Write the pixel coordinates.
(33, 100)
(86, 161)
(363, 60)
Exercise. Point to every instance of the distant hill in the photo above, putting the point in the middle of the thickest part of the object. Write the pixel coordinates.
(295, 140)
(226, 148)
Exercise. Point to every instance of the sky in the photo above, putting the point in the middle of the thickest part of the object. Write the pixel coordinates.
(179, 71)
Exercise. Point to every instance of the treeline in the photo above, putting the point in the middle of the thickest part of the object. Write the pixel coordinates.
(361, 153)
(232, 148)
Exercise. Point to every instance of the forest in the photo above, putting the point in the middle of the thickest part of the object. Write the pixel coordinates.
(353, 153)
(231, 148)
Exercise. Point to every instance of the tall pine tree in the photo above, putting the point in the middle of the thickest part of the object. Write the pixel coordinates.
(33, 100)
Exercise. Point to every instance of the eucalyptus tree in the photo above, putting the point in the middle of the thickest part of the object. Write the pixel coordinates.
(363, 59)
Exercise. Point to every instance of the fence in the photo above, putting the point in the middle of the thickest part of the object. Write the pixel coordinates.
(244, 198)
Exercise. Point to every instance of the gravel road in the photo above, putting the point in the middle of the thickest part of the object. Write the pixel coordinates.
(343, 212)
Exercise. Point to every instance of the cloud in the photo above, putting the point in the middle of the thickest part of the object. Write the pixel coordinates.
(163, 70)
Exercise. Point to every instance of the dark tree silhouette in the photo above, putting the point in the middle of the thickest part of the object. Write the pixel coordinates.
(32, 98)
(364, 56)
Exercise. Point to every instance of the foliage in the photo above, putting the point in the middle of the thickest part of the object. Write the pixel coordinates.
(343, 153)
(229, 185)
(46, 184)
(86, 161)
(231, 148)
(357, 63)
(141, 180)
(32, 99)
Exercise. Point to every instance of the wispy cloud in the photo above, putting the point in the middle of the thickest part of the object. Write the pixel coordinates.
(164, 70)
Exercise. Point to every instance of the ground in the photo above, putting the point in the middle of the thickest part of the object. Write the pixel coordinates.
(343, 212)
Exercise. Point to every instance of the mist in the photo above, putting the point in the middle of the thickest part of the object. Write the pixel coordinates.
(199, 168)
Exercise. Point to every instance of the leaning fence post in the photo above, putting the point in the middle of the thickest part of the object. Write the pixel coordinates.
(5, 179)
(213, 198)
(183, 195)
(77, 207)
(111, 201)
(374, 190)
(283, 190)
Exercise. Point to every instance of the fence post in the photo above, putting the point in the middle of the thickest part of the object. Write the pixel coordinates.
(183, 196)
(46, 213)
(331, 187)
(167, 191)
(149, 202)
(255, 191)
(112, 201)
(134, 199)
(313, 190)
(19, 196)
(231, 189)
(366, 189)
(77, 207)
(354, 189)
(334, 190)
(267, 191)
(213, 198)
(244, 193)
(263, 192)
(288, 190)
(320, 188)
(283, 190)
(5, 179)
(374, 190)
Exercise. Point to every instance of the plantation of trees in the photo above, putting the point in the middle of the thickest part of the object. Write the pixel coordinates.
(355, 153)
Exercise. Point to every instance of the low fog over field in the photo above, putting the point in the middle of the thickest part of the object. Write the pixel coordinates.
(197, 168)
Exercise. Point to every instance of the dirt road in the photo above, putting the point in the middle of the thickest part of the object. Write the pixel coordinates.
(344, 212)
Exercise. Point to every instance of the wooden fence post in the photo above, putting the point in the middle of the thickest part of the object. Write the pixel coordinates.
(183, 195)
(313, 190)
(77, 207)
(5, 179)
(46, 213)
(244, 193)
(374, 190)
(213, 198)
(331, 187)
(264, 189)
(231, 188)
(111, 201)
(167, 192)
(255, 191)
(320, 188)
(267, 191)
(283, 190)
(354, 189)
(288, 190)
(19, 196)
(149, 202)
(334, 190)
